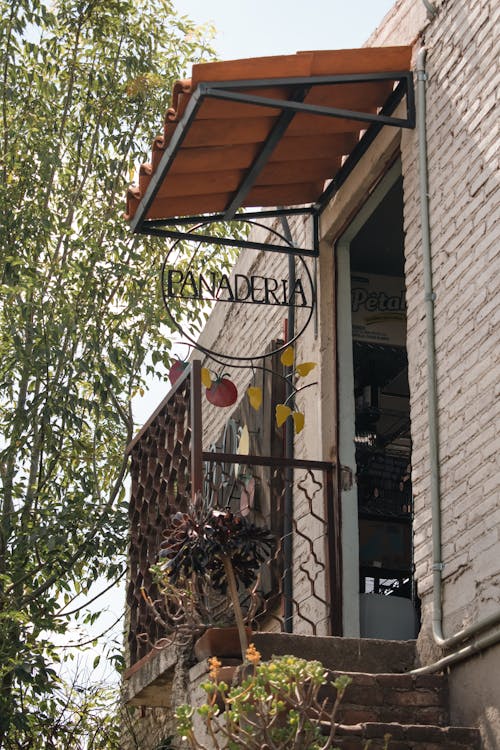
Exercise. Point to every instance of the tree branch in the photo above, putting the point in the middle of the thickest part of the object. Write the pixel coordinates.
(87, 602)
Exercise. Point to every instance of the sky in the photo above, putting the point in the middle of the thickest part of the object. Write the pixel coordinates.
(277, 27)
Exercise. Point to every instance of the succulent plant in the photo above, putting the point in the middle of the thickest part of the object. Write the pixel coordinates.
(275, 704)
(198, 542)
(217, 547)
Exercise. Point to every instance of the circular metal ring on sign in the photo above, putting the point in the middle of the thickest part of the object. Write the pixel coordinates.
(228, 357)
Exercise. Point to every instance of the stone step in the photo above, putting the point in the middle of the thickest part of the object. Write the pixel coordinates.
(395, 736)
(405, 698)
(344, 654)
(385, 707)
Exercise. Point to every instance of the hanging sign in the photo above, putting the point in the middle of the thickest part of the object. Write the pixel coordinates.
(219, 287)
(378, 306)
(252, 294)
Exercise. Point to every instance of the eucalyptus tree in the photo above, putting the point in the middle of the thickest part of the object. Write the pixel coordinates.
(83, 88)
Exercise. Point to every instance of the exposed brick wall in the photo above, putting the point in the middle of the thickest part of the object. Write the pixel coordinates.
(241, 329)
(401, 25)
(462, 93)
(463, 189)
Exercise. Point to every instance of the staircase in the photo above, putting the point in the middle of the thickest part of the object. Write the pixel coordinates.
(384, 706)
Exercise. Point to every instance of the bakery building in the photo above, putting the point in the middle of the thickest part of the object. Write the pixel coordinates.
(363, 186)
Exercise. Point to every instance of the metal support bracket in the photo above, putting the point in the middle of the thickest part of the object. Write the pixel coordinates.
(171, 230)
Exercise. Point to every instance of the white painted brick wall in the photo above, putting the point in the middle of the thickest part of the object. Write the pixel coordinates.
(244, 328)
(463, 84)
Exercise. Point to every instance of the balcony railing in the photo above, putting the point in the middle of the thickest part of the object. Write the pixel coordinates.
(298, 588)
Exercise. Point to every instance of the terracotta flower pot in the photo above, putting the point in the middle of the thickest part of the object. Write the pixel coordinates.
(221, 642)
(226, 674)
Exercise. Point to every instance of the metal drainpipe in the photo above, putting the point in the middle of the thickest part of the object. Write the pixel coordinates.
(437, 622)
(431, 9)
(289, 453)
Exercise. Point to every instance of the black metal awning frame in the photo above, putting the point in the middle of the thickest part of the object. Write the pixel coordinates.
(235, 91)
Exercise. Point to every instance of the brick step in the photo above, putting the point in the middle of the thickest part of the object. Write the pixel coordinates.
(347, 654)
(405, 698)
(405, 737)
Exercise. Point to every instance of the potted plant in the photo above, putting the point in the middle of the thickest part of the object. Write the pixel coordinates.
(209, 554)
(277, 705)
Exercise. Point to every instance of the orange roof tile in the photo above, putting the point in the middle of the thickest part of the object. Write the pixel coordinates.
(220, 142)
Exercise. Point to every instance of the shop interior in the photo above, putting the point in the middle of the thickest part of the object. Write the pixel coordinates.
(389, 605)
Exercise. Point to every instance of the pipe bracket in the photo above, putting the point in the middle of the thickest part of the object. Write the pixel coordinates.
(438, 566)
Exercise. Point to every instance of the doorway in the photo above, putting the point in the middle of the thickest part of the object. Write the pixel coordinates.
(374, 411)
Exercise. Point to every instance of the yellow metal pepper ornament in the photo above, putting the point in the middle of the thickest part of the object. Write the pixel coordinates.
(283, 411)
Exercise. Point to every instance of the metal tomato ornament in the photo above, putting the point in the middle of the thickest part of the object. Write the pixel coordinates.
(222, 392)
(176, 370)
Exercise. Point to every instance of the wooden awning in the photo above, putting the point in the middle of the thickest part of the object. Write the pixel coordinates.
(268, 131)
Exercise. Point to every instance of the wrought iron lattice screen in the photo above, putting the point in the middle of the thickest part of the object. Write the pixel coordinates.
(257, 486)
(161, 485)
(163, 475)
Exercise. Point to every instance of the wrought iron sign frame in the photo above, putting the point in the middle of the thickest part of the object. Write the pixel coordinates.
(219, 356)
(300, 86)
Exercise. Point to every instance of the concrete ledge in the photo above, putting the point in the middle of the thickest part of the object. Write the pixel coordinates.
(149, 681)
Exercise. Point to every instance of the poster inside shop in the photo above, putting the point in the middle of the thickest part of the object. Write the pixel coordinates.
(378, 306)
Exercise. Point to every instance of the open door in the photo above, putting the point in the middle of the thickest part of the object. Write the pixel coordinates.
(375, 438)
